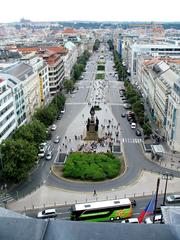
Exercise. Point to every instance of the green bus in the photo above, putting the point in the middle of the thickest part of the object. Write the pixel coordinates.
(102, 211)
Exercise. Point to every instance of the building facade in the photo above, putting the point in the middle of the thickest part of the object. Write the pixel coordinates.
(7, 111)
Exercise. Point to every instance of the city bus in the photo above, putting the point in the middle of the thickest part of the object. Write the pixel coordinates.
(102, 211)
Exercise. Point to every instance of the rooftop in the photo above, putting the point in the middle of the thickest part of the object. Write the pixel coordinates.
(20, 70)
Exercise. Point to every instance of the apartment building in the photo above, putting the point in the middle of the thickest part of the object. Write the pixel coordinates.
(41, 68)
(70, 58)
(133, 51)
(53, 57)
(17, 90)
(56, 71)
(159, 82)
(30, 83)
(7, 111)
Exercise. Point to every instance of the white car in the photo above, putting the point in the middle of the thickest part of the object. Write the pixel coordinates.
(149, 220)
(49, 155)
(53, 128)
(47, 213)
(130, 220)
(42, 149)
(63, 110)
(173, 198)
(57, 139)
(133, 125)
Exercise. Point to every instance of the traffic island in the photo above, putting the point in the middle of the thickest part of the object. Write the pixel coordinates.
(92, 166)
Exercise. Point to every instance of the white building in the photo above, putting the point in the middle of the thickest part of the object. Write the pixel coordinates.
(70, 58)
(31, 88)
(160, 85)
(173, 117)
(16, 87)
(134, 51)
(7, 111)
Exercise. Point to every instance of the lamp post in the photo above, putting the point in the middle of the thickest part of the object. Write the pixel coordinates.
(166, 176)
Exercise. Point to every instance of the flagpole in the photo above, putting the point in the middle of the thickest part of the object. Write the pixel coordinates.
(155, 205)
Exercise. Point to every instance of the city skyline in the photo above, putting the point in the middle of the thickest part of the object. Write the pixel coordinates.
(90, 11)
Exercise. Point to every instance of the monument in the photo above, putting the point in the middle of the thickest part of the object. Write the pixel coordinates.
(92, 126)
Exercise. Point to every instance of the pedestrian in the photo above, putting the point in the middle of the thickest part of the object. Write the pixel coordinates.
(95, 192)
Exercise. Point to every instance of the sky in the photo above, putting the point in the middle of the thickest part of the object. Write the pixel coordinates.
(90, 10)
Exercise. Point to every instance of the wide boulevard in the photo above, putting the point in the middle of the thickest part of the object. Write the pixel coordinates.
(75, 103)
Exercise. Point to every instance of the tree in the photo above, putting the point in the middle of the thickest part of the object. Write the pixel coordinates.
(96, 45)
(68, 85)
(45, 115)
(38, 130)
(18, 158)
(23, 132)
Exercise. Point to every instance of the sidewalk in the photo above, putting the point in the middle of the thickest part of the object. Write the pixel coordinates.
(47, 196)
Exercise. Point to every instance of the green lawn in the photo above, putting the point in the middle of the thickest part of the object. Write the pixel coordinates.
(91, 166)
(100, 67)
(100, 76)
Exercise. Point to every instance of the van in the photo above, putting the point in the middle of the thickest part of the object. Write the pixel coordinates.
(47, 213)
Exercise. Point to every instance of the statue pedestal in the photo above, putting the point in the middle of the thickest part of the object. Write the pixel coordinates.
(92, 134)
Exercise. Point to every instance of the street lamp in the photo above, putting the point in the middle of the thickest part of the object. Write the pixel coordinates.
(166, 176)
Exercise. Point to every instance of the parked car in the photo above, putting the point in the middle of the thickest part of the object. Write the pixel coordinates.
(53, 128)
(123, 98)
(57, 139)
(138, 133)
(149, 220)
(133, 125)
(127, 106)
(49, 155)
(59, 117)
(130, 220)
(47, 213)
(123, 115)
(42, 149)
(63, 110)
(173, 198)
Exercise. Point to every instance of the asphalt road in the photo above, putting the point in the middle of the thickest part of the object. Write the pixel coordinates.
(136, 161)
(63, 212)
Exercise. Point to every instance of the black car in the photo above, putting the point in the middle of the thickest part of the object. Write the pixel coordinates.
(138, 133)
(123, 115)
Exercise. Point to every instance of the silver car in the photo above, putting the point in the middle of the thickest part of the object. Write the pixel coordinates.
(173, 198)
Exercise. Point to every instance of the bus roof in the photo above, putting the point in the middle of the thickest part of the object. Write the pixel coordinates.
(101, 204)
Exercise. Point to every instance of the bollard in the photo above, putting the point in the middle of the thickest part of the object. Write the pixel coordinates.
(115, 196)
(32, 206)
(76, 201)
(86, 199)
(134, 195)
(124, 195)
(65, 203)
(143, 194)
(44, 205)
(55, 204)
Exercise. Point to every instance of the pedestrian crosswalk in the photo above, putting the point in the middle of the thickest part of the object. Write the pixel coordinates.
(4, 198)
(131, 140)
